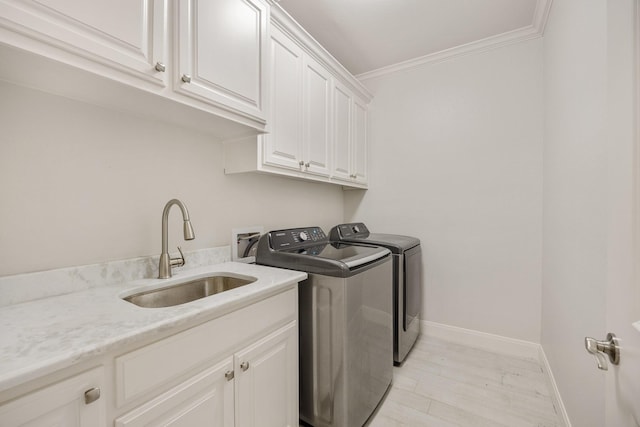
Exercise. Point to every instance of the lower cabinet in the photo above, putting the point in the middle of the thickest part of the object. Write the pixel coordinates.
(73, 402)
(207, 399)
(240, 369)
(236, 370)
(255, 387)
(266, 376)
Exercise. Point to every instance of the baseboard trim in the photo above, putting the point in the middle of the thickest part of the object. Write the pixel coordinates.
(557, 399)
(482, 340)
(502, 345)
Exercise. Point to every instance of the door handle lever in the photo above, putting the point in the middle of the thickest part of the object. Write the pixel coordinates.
(609, 347)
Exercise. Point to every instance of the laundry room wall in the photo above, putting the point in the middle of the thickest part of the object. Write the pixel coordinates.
(81, 184)
(456, 160)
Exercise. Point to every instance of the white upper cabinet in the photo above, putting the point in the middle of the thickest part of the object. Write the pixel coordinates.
(333, 144)
(342, 123)
(359, 148)
(299, 90)
(310, 118)
(128, 35)
(196, 63)
(317, 117)
(283, 144)
(221, 47)
(350, 137)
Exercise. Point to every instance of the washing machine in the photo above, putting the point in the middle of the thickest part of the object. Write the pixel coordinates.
(345, 318)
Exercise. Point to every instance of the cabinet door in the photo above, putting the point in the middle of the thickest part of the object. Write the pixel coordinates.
(267, 381)
(221, 46)
(282, 146)
(122, 34)
(204, 400)
(62, 404)
(316, 112)
(342, 123)
(359, 143)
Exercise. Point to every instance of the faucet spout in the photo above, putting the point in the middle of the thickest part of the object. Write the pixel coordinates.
(164, 268)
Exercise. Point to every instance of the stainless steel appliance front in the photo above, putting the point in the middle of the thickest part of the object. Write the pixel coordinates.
(345, 317)
(408, 290)
(407, 280)
(345, 345)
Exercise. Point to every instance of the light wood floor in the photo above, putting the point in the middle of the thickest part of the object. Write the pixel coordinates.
(442, 384)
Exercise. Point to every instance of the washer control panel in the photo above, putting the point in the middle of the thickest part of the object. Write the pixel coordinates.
(297, 237)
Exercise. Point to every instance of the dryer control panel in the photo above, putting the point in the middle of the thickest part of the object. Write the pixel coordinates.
(297, 237)
(350, 231)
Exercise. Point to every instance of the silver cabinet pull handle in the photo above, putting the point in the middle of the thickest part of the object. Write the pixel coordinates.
(244, 366)
(609, 347)
(160, 67)
(186, 78)
(229, 375)
(91, 395)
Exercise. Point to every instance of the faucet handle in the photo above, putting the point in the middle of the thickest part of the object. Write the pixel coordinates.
(178, 262)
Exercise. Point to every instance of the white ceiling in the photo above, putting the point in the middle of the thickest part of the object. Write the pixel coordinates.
(366, 35)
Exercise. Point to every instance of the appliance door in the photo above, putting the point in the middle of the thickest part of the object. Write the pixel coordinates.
(412, 287)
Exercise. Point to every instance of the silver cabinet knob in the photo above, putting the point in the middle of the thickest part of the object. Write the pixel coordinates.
(301, 163)
(244, 366)
(229, 375)
(609, 347)
(186, 78)
(160, 67)
(91, 395)
(306, 165)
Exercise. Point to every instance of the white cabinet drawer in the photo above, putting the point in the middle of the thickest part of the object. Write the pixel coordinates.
(157, 365)
(75, 401)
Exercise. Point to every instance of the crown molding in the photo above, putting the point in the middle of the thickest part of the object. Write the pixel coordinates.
(541, 15)
(533, 31)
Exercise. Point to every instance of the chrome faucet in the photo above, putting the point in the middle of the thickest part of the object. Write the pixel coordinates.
(166, 262)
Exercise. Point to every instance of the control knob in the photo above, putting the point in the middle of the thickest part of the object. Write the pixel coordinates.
(303, 236)
(356, 229)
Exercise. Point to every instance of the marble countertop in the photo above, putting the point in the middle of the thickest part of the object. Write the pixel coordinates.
(40, 337)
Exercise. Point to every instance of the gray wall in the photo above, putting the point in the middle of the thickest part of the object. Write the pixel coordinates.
(456, 160)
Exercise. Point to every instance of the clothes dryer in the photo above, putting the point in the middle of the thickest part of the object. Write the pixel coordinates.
(406, 282)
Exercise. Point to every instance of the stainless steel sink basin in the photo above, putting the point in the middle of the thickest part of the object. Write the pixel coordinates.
(192, 290)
